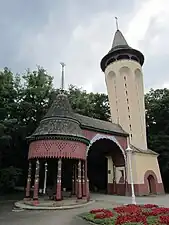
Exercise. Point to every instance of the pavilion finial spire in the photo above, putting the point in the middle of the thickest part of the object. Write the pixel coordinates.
(62, 78)
(117, 25)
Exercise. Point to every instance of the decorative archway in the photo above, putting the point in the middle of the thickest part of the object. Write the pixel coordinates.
(150, 180)
(112, 138)
(107, 159)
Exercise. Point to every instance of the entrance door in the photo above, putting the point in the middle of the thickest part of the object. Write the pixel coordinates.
(98, 171)
(151, 184)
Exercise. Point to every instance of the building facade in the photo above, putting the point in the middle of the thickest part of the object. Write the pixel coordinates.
(94, 151)
(124, 79)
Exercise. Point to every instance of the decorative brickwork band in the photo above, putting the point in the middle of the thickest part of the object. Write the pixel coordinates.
(79, 194)
(83, 179)
(36, 182)
(59, 179)
(57, 149)
(28, 186)
(73, 180)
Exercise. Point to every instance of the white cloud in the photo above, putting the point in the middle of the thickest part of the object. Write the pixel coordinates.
(85, 45)
(141, 20)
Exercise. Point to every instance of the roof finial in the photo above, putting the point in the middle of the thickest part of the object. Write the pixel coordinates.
(62, 79)
(117, 26)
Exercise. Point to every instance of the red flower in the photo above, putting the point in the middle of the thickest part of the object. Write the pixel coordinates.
(131, 218)
(150, 206)
(128, 209)
(164, 219)
(101, 213)
(134, 214)
(93, 211)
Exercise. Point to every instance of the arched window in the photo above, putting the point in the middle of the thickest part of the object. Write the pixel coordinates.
(135, 58)
(110, 61)
(123, 57)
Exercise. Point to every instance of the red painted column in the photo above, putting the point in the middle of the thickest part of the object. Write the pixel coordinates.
(87, 182)
(59, 179)
(83, 180)
(73, 180)
(28, 186)
(36, 182)
(79, 194)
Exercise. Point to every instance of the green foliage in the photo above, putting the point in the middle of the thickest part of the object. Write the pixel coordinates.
(157, 116)
(9, 178)
(89, 104)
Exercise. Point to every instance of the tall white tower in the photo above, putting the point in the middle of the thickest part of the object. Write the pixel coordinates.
(124, 79)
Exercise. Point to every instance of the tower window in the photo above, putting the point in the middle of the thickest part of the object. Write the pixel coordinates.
(127, 101)
(126, 93)
(124, 77)
(125, 85)
(130, 126)
(129, 117)
(128, 108)
(131, 136)
(135, 58)
(123, 57)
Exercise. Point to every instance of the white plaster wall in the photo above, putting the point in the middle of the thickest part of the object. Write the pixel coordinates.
(142, 163)
(110, 167)
(124, 80)
(118, 173)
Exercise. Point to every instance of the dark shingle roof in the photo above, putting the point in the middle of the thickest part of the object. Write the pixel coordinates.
(92, 123)
(59, 120)
(120, 48)
(119, 41)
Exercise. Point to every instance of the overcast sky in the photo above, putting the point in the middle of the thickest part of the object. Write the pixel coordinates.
(80, 33)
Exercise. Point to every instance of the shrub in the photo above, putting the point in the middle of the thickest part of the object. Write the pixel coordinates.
(9, 178)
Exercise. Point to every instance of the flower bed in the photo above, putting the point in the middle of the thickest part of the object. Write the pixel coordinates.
(129, 215)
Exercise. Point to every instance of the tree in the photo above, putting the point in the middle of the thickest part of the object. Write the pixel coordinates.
(34, 96)
(89, 104)
(157, 117)
(23, 102)
(8, 95)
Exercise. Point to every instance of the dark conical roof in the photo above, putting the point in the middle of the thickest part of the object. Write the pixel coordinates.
(121, 50)
(119, 41)
(60, 107)
(59, 120)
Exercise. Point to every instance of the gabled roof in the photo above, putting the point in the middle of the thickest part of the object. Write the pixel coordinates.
(60, 120)
(147, 151)
(96, 124)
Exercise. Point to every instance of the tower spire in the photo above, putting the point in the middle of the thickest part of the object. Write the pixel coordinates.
(117, 25)
(62, 78)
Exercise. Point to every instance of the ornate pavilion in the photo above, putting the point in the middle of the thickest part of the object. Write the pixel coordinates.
(74, 153)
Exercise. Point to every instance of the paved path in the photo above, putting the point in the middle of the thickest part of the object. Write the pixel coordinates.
(68, 217)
